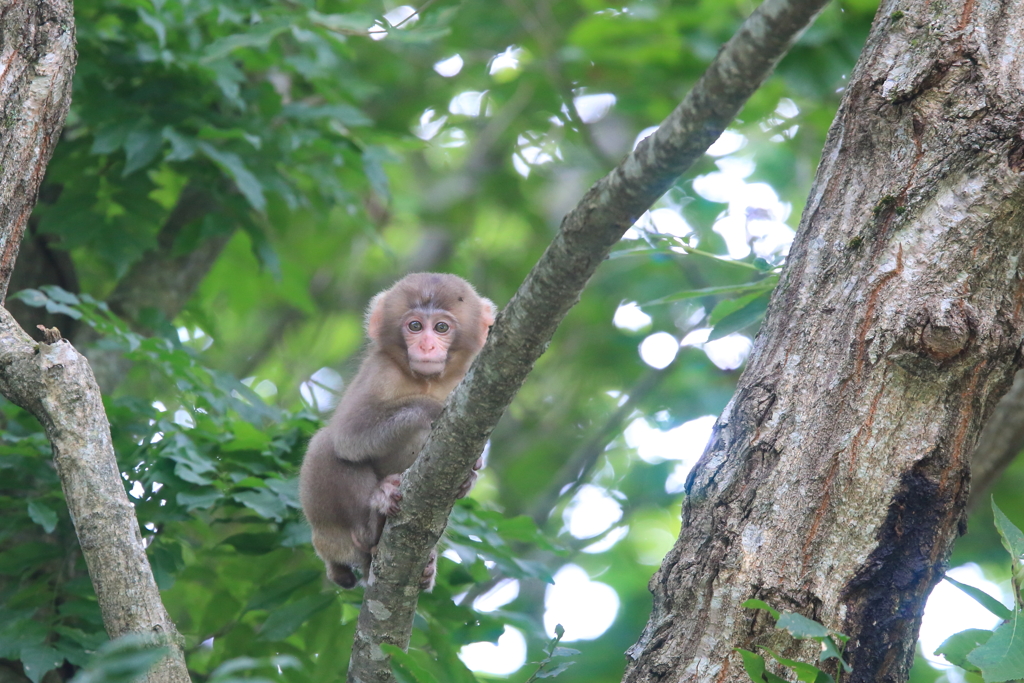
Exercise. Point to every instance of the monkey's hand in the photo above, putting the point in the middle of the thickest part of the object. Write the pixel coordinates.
(386, 497)
(470, 479)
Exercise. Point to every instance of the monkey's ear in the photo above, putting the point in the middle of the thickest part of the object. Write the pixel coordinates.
(375, 316)
(487, 314)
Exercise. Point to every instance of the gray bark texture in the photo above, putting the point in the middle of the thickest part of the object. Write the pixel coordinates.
(53, 381)
(837, 477)
(524, 328)
(37, 62)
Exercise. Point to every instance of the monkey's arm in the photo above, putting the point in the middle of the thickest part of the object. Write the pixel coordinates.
(392, 431)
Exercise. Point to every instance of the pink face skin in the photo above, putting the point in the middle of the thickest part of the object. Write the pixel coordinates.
(428, 336)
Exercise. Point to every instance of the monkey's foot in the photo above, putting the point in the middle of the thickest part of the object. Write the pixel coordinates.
(429, 572)
(388, 497)
(470, 479)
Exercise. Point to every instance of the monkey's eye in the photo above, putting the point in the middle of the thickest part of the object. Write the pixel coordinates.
(441, 328)
(415, 326)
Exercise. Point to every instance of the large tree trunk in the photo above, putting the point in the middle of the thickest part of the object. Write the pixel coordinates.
(837, 477)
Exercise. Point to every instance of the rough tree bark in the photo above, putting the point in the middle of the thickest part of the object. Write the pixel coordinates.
(525, 326)
(52, 380)
(54, 383)
(837, 477)
(37, 61)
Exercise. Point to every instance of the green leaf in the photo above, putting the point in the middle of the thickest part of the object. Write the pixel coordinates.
(201, 500)
(265, 503)
(42, 515)
(109, 138)
(155, 24)
(346, 114)
(260, 37)
(729, 306)
(984, 599)
(554, 671)
(38, 660)
(765, 285)
(400, 659)
(956, 648)
(61, 295)
(275, 593)
(353, 22)
(1001, 658)
(807, 673)
(31, 297)
(754, 603)
(287, 490)
(182, 147)
(54, 307)
(141, 147)
(750, 313)
(286, 620)
(1012, 537)
(1013, 541)
(253, 543)
(222, 672)
(800, 626)
(829, 650)
(246, 437)
(373, 160)
(753, 664)
(123, 660)
(232, 164)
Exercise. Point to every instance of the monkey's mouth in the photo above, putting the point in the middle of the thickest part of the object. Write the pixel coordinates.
(427, 367)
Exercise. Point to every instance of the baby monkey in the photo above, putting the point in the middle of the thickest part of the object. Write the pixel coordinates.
(424, 332)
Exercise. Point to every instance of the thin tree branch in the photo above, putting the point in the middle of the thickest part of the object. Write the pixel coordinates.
(1000, 442)
(525, 327)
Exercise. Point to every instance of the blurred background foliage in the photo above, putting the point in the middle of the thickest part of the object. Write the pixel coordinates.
(237, 178)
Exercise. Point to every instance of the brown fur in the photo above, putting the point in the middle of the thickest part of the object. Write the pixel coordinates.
(350, 474)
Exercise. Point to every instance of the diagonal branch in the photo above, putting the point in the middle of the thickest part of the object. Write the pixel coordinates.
(527, 324)
(54, 383)
(1000, 442)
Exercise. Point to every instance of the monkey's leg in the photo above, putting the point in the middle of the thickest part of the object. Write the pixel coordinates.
(387, 497)
(384, 501)
(336, 498)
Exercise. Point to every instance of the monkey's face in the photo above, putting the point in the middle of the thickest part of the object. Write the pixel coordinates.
(428, 336)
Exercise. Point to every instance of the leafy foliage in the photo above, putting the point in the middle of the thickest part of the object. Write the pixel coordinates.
(801, 628)
(998, 655)
(329, 163)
